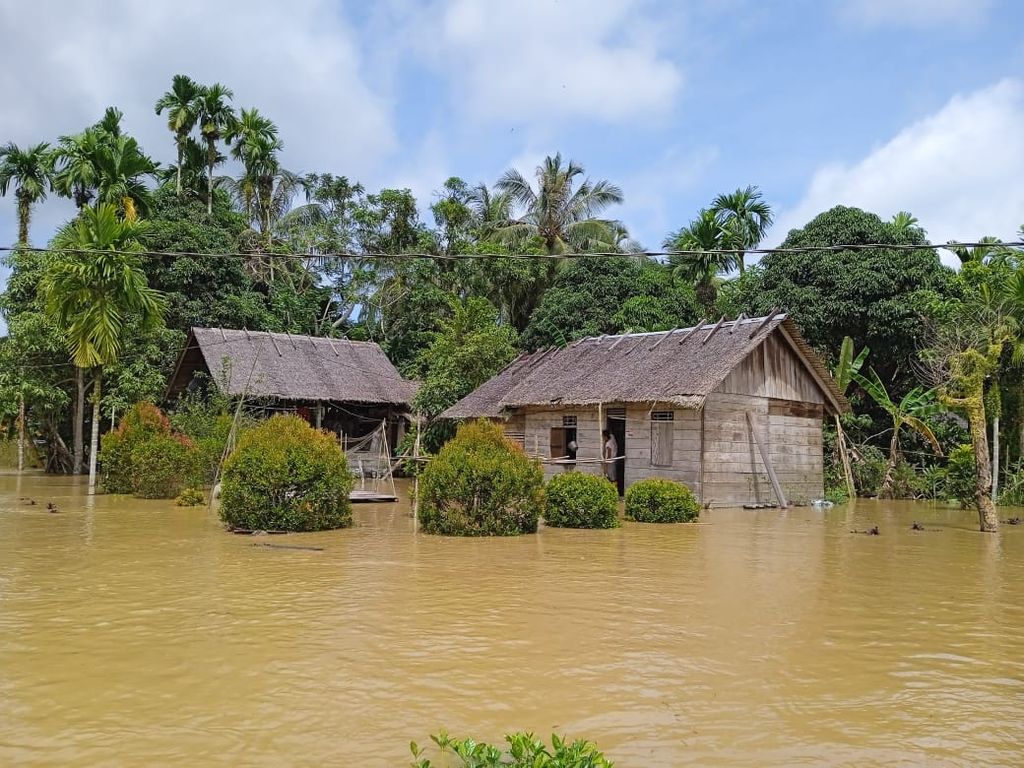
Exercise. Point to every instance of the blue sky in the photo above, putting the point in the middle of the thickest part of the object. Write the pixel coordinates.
(885, 104)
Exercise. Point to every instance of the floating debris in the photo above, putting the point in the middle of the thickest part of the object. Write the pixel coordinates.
(289, 546)
(873, 531)
(1013, 521)
(917, 526)
(50, 507)
(822, 504)
(26, 500)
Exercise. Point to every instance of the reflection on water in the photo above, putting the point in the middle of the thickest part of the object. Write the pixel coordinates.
(135, 633)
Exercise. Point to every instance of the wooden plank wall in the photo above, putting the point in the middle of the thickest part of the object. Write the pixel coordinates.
(685, 447)
(538, 426)
(734, 473)
(773, 370)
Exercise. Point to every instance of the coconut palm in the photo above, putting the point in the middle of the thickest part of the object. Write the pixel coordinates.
(563, 211)
(215, 117)
(704, 239)
(30, 170)
(93, 290)
(121, 169)
(182, 106)
(988, 246)
(747, 216)
(912, 411)
(491, 208)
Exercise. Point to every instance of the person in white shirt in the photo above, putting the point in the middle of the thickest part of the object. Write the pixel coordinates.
(611, 452)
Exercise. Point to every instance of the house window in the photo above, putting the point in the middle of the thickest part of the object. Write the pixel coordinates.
(563, 443)
(568, 421)
(662, 423)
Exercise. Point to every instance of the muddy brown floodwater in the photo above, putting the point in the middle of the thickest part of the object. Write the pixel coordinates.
(135, 633)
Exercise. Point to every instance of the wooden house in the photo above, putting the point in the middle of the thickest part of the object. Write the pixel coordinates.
(732, 409)
(347, 387)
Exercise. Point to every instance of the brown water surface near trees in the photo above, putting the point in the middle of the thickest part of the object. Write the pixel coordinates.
(136, 633)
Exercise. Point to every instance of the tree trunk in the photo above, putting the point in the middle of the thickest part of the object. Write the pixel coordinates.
(844, 457)
(995, 458)
(94, 443)
(890, 467)
(79, 425)
(209, 189)
(21, 434)
(181, 154)
(24, 213)
(988, 520)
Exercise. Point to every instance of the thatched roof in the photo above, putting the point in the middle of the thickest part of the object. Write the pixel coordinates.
(680, 367)
(288, 367)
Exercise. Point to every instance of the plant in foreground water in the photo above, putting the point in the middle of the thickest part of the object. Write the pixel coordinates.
(522, 750)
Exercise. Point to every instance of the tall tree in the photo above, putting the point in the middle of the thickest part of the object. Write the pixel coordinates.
(215, 118)
(122, 169)
(746, 216)
(707, 239)
(564, 209)
(96, 292)
(30, 170)
(181, 103)
(77, 173)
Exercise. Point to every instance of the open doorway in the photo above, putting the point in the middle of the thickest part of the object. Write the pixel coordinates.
(616, 424)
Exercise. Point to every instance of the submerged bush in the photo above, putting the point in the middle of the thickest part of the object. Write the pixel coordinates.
(286, 476)
(960, 477)
(162, 466)
(521, 750)
(481, 484)
(657, 500)
(578, 500)
(868, 465)
(190, 497)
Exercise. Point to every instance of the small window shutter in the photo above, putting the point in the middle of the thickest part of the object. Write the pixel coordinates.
(661, 443)
(558, 448)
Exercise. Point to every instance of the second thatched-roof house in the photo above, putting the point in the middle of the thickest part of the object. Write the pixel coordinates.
(347, 387)
(733, 409)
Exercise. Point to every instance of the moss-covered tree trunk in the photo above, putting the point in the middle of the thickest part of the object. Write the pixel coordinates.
(988, 520)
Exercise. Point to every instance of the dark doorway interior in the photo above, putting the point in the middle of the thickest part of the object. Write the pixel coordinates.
(616, 424)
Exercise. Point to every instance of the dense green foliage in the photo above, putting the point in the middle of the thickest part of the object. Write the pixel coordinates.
(579, 500)
(162, 466)
(960, 475)
(286, 476)
(521, 750)
(190, 497)
(481, 484)
(143, 422)
(657, 500)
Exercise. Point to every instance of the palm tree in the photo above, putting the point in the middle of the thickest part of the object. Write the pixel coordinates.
(491, 209)
(77, 175)
(215, 117)
(31, 172)
(256, 144)
(121, 167)
(847, 366)
(706, 239)
(747, 216)
(191, 171)
(94, 293)
(911, 411)
(563, 216)
(988, 246)
(906, 223)
(182, 106)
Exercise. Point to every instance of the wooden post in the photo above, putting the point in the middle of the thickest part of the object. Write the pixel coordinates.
(319, 414)
(767, 463)
(995, 457)
(600, 438)
(844, 457)
(21, 434)
(416, 477)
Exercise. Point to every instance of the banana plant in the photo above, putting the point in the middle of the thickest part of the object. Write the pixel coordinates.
(846, 368)
(912, 412)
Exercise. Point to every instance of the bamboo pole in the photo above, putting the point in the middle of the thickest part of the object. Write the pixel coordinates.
(21, 434)
(600, 439)
(416, 478)
(844, 457)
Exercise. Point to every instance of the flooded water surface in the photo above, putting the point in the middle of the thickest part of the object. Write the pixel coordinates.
(136, 633)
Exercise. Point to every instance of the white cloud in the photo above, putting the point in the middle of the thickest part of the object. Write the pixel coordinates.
(915, 13)
(538, 61)
(956, 170)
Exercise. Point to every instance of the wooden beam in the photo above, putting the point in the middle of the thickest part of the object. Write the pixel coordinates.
(770, 316)
(662, 340)
(767, 462)
(713, 331)
(736, 322)
(700, 324)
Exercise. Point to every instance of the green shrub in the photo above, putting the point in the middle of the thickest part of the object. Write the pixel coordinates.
(162, 465)
(907, 482)
(190, 497)
(657, 500)
(481, 484)
(868, 466)
(521, 750)
(578, 500)
(1012, 494)
(960, 475)
(286, 476)
(142, 422)
(933, 482)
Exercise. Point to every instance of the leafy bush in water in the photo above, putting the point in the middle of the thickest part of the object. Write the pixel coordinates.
(578, 500)
(657, 500)
(868, 466)
(481, 484)
(960, 479)
(142, 422)
(522, 750)
(1012, 494)
(286, 476)
(162, 465)
(190, 497)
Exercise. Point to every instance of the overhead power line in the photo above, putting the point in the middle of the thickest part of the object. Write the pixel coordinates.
(952, 246)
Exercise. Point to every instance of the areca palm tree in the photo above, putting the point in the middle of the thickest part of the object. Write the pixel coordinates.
(95, 296)
(215, 117)
(182, 106)
(563, 211)
(746, 215)
(905, 222)
(30, 170)
(77, 174)
(988, 246)
(705, 238)
(912, 411)
(121, 169)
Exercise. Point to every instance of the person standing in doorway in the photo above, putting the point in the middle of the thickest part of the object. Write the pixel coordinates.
(611, 452)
